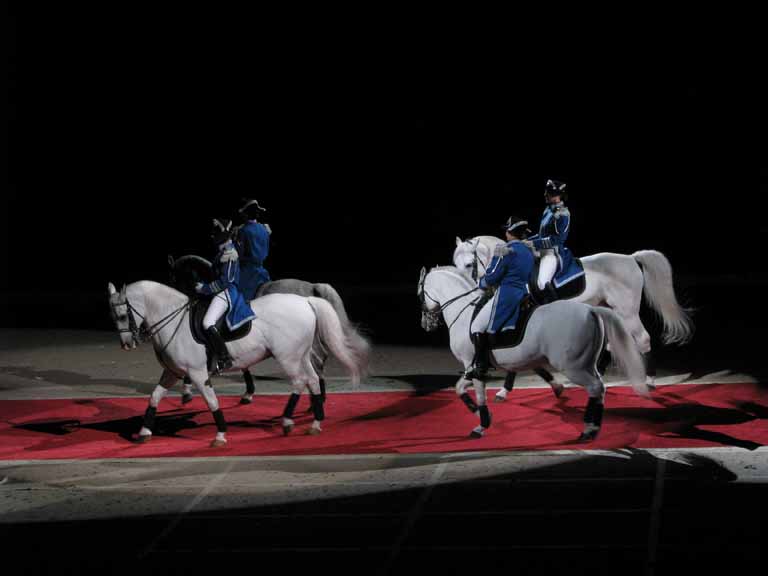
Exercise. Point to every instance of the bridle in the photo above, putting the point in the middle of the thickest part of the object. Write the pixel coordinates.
(141, 333)
(435, 317)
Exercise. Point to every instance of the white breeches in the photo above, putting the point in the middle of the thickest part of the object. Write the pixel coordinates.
(547, 268)
(217, 308)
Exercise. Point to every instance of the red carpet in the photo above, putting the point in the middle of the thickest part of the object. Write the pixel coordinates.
(386, 422)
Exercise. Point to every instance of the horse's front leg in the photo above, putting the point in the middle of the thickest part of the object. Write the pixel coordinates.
(167, 380)
(509, 384)
(593, 415)
(203, 384)
(482, 409)
(186, 390)
(461, 392)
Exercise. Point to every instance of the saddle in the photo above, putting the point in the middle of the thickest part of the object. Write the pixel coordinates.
(197, 312)
(513, 337)
(570, 289)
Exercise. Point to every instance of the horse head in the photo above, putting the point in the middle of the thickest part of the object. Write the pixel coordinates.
(122, 316)
(430, 308)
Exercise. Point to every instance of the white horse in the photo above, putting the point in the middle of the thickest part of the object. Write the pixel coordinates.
(284, 327)
(187, 271)
(616, 281)
(565, 335)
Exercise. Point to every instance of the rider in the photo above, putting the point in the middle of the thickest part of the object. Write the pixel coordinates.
(550, 241)
(227, 298)
(509, 269)
(253, 244)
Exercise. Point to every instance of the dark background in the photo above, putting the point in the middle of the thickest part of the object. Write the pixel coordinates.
(370, 163)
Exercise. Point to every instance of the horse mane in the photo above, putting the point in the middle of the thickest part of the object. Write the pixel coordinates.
(453, 271)
(150, 286)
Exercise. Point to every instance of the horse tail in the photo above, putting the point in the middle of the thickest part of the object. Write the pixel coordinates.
(351, 331)
(350, 347)
(328, 292)
(623, 348)
(660, 293)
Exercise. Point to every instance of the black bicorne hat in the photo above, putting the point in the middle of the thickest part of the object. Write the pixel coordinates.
(221, 230)
(516, 226)
(555, 188)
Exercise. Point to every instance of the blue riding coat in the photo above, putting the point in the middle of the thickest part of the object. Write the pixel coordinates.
(510, 271)
(227, 272)
(253, 239)
(553, 232)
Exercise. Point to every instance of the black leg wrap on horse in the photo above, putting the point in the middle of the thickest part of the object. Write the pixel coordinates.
(149, 417)
(317, 407)
(218, 417)
(594, 412)
(249, 387)
(291, 406)
(485, 416)
(187, 380)
(544, 375)
(467, 399)
(509, 381)
(322, 388)
(650, 364)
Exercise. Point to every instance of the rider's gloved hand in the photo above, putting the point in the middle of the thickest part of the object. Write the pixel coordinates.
(199, 287)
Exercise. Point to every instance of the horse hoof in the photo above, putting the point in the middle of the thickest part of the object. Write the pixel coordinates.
(475, 434)
(186, 399)
(143, 438)
(245, 400)
(313, 431)
(558, 390)
(588, 436)
(287, 430)
(217, 443)
(499, 399)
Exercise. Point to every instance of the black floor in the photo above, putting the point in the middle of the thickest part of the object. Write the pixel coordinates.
(600, 515)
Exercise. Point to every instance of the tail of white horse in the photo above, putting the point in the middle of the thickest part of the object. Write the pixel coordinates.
(660, 293)
(349, 347)
(624, 349)
(328, 292)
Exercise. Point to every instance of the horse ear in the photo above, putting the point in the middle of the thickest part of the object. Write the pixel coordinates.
(459, 241)
(171, 261)
(112, 289)
(122, 292)
(421, 280)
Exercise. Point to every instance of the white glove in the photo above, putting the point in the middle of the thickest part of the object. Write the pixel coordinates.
(199, 287)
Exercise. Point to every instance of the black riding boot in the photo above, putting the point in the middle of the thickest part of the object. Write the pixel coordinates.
(550, 292)
(481, 363)
(218, 355)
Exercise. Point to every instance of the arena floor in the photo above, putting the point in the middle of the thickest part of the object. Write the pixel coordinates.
(568, 511)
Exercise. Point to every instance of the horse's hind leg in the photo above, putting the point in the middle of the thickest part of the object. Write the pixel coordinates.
(250, 389)
(509, 384)
(167, 380)
(318, 356)
(593, 415)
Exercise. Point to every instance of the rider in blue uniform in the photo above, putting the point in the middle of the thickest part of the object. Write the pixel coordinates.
(557, 266)
(253, 245)
(509, 269)
(227, 297)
